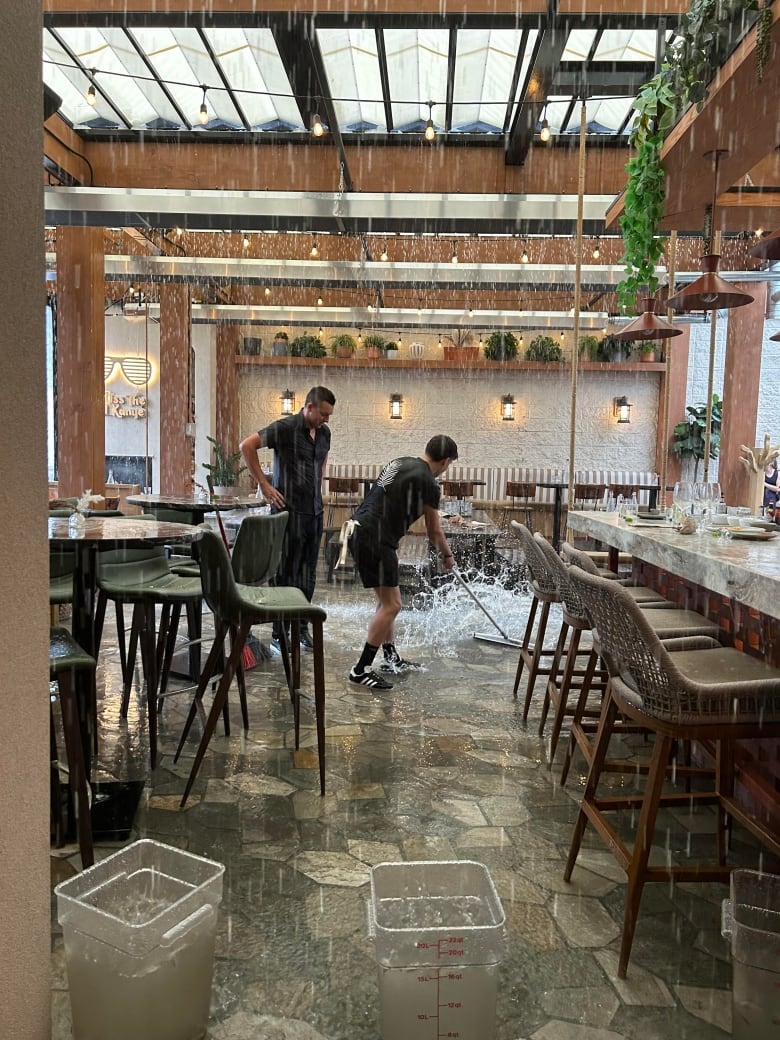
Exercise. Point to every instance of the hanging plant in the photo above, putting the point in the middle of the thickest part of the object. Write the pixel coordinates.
(691, 60)
(763, 29)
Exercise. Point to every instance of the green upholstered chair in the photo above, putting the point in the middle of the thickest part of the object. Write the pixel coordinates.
(66, 659)
(238, 606)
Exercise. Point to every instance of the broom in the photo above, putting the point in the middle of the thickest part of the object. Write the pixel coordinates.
(248, 659)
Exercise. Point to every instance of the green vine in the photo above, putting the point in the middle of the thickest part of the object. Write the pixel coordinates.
(698, 50)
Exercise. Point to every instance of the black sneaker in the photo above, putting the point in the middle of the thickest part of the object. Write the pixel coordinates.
(307, 643)
(369, 679)
(399, 666)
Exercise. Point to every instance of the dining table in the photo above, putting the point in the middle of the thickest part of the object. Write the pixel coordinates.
(195, 505)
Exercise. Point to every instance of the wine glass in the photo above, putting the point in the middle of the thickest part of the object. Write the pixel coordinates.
(700, 501)
(682, 498)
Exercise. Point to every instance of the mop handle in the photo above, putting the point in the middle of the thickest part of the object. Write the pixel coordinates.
(484, 610)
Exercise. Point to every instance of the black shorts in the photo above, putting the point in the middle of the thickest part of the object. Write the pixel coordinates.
(376, 564)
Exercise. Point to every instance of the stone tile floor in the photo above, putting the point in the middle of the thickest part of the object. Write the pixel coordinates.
(440, 768)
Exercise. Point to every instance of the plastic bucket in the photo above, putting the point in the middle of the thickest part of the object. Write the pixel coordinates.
(139, 931)
(438, 930)
(751, 918)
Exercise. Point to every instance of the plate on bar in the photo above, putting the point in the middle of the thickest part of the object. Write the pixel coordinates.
(753, 535)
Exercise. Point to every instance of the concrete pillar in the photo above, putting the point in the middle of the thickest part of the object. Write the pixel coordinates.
(677, 350)
(24, 612)
(227, 432)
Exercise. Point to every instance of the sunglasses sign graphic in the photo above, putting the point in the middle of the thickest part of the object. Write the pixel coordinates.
(136, 370)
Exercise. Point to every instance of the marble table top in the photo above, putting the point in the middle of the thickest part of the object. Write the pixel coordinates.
(746, 571)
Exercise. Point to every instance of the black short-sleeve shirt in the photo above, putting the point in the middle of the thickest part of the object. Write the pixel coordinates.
(298, 461)
(397, 498)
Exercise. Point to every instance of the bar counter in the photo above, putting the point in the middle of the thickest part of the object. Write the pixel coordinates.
(745, 571)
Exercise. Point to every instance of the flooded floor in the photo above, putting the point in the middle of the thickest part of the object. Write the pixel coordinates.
(439, 768)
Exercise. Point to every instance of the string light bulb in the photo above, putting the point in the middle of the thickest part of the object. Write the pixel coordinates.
(91, 95)
(314, 252)
(454, 253)
(383, 257)
(319, 301)
(544, 129)
(245, 242)
(430, 130)
(524, 257)
(360, 338)
(203, 115)
(317, 128)
(267, 291)
(596, 250)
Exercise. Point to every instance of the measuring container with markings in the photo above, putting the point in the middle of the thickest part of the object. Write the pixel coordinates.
(438, 930)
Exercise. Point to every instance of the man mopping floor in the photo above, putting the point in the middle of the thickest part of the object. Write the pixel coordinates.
(405, 490)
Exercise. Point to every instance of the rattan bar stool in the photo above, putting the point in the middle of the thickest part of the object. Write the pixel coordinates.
(343, 492)
(518, 494)
(533, 652)
(716, 694)
(641, 594)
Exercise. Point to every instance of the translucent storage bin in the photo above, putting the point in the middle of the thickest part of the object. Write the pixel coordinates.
(751, 918)
(438, 929)
(139, 931)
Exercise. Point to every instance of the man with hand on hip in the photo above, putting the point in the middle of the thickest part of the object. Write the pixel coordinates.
(405, 490)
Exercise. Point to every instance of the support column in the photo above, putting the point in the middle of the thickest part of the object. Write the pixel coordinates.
(25, 894)
(228, 345)
(81, 348)
(678, 350)
(177, 391)
(741, 387)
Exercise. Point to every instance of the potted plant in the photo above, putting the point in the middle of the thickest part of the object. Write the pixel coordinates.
(588, 347)
(343, 345)
(647, 349)
(501, 346)
(543, 348)
(279, 347)
(307, 346)
(225, 469)
(391, 350)
(375, 345)
(688, 435)
(460, 346)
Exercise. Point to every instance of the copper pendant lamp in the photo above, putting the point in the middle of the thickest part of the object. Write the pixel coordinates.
(648, 325)
(776, 337)
(709, 292)
(768, 248)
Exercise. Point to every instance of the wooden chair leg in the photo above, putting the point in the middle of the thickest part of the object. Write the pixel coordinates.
(536, 662)
(132, 650)
(555, 668)
(579, 711)
(205, 678)
(319, 697)
(525, 644)
(76, 770)
(643, 842)
(562, 691)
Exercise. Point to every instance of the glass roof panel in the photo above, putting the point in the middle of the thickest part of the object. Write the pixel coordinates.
(609, 113)
(121, 76)
(578, 45)
(352, 66)
(485, 63)
(626, 45)
(251, 63)
(180, 59)
(417, 73)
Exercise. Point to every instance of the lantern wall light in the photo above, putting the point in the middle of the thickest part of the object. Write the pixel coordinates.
(508, 408)
(396, 406)
(621, 409)
(288, 402)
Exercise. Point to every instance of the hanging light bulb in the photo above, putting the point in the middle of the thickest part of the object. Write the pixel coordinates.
(430, 130)
(383, 257)
(360, 338)
(439, 340)
(320, 332)
(314, 253)
(544, 129)
(524, 257)
(203, 115)
(398, 341)
(317, 128)
(319, 301)
(245, 242)
(267, 291)
(91, 95)
(596, 250)
(454, 253)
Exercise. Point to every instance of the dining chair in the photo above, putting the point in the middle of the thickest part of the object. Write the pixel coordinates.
(66, 660)
(143, 579)
(712, 693)
(343, 493)
(241, 606)
(518, 494)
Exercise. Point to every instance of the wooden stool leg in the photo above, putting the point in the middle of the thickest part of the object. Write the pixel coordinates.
(555, 667)
(563, 690)
(208, 670)
(525, 644)
(536, 661)
(319, 697)
(76, 770)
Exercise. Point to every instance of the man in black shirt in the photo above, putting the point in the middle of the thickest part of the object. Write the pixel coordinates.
(405, 490)
(300, 444)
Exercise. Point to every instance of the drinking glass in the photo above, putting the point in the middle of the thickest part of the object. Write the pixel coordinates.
(699, 502)
(682, 498)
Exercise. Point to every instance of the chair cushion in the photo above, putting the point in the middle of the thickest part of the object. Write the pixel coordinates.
(65, 653)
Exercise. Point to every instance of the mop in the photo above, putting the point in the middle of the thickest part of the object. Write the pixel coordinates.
(505, 640)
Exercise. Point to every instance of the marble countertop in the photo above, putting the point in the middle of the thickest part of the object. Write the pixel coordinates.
(746, 571)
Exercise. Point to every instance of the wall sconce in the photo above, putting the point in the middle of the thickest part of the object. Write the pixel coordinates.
(288, 402)
(508, 408)
(621, 409)
(396, 406)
